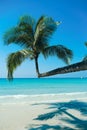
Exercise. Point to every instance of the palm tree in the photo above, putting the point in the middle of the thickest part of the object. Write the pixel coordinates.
(34, 39)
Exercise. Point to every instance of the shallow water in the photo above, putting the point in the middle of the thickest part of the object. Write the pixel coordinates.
(42, 89)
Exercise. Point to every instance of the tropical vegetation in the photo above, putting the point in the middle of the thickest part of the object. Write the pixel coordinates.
(34, 39)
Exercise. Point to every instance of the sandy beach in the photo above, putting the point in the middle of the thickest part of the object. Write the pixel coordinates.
(36, 104)
(70, 115)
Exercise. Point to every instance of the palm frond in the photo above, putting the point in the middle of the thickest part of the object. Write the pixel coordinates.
(27, 23)
(60, 51)
(15, 59)
(22, 34)
(44, 29)
(18, 36)
(85, 44)
(39, 22)
(85, 58)
(40, 47)
(28, 20)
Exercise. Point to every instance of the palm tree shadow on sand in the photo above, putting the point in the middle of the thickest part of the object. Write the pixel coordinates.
(49, 127)
(62, 108)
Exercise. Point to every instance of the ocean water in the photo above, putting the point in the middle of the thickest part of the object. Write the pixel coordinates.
(25, 90)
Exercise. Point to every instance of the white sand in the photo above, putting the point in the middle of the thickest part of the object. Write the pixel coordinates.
(21, 116)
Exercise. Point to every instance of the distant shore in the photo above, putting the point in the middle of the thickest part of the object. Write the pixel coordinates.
(42, 116)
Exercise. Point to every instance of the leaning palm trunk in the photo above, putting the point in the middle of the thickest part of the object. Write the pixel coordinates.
(80, 66)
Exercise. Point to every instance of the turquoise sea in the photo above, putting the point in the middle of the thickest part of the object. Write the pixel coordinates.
(45, 88)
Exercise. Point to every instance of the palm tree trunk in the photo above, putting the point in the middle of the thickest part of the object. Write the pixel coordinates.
(80, 66)
(36, 65)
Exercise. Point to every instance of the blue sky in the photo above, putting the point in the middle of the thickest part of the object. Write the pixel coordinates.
(72, 32)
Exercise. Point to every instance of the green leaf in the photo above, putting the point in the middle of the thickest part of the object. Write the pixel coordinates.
(85, 58)
(85, 44)
(22, 34)
(28, 20)
(15, 59)
(44, 29)
(60, 51)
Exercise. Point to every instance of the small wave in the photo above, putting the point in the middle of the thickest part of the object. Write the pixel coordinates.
(14, 96)
(43, 95)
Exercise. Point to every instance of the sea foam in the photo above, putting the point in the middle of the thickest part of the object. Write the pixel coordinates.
(42, 97)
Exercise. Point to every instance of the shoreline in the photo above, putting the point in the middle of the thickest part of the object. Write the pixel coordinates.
(41, 98)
